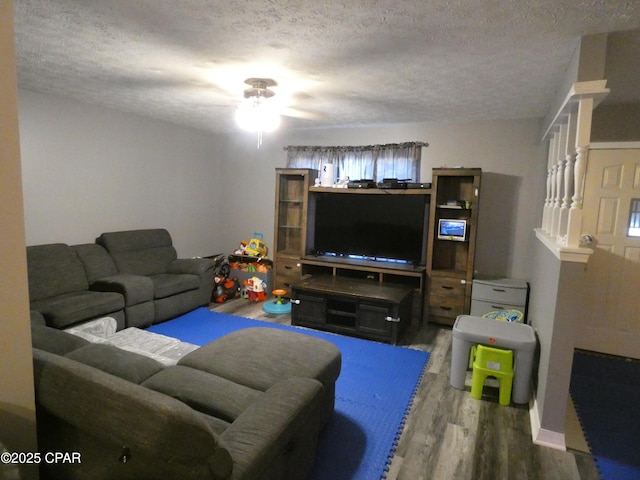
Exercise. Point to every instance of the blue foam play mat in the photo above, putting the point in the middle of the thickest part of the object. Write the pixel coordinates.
(373, 393)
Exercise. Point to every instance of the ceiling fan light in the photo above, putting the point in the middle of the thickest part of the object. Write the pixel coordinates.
(269, 120)
(257, 117)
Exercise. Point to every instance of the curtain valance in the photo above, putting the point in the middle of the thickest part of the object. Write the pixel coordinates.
(351, 148)
(392, 160)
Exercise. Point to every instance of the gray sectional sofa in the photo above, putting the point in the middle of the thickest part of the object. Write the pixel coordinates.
(228, 410)
(247, 406)
(133, 276)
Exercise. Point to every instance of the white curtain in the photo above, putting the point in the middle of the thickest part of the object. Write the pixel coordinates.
(371, 162)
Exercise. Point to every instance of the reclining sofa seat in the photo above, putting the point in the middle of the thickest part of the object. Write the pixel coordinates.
(60, 291)
(176, 284)
(103, 276)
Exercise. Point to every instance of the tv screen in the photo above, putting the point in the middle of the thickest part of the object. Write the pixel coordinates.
(388, 228)
(452, 229)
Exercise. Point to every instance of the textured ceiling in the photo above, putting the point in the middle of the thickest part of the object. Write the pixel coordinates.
(337, 62)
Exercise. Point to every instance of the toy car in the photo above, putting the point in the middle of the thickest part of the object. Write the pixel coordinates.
(225, 289)
(256, 246)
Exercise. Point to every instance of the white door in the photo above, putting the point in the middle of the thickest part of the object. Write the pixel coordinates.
(611, 322)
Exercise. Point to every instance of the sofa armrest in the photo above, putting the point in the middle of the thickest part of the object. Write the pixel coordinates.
(203, 267)
(135, 288)
(195, 266)
(36, 318)
(151, 425)
(285, 421)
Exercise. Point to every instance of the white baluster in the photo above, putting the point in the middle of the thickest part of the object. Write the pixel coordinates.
(566, 201)
(583, 138)
(547, 202)
(555, 226)
(552, 199)
(580, 168)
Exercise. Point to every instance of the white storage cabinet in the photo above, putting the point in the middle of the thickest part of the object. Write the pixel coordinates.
(499, 294)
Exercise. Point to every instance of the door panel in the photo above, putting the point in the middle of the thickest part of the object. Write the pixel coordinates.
(611, 319)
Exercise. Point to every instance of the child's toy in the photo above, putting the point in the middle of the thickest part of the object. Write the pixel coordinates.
(225, 289)
(256, 246)
(278, 306)
(241, 249)
(255, 289)
(221, 266)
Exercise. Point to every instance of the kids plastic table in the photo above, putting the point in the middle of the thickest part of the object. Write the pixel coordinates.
(521, 338)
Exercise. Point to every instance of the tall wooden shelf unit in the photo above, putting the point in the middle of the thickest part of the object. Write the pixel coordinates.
(450, 264)
(290, 232)
(446, 291)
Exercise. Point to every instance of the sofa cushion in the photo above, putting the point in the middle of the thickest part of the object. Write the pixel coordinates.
(70, 308)
(168, 284)
(259, 357)
(96, 261)
(204, 392)
(124, 364)
(140, 252)
(55, 341)
(135, 288)
(54, 269)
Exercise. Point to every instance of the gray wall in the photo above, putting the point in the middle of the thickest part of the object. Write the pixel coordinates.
(508, 151)
(88, 169)
(554, 304)
(616, 123)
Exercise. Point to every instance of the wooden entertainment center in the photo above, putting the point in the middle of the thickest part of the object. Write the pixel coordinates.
(364, 297)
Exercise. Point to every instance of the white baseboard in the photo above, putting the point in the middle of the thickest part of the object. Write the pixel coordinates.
(541, 436)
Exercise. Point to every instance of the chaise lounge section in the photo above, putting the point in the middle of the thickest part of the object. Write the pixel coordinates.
(129, 417)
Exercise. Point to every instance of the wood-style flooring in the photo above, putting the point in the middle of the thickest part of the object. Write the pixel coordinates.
(451, 436)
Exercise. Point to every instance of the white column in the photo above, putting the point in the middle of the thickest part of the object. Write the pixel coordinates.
(583, 138)
(547, 198)
(557, 201)
(555, 225)
(566, 201)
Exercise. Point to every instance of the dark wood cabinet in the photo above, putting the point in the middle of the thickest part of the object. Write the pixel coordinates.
(291, 225)
(450, 261)
(362, 308)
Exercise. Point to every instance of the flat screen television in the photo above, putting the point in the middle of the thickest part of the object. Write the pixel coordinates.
(389, 228)
(452, 229)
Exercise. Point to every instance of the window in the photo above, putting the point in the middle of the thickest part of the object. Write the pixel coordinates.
(634, 218)
(374, 162)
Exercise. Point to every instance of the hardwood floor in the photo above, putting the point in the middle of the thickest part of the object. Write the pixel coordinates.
(451, 436)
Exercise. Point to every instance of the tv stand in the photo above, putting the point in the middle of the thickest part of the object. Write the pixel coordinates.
(385, 274)
(359, 307)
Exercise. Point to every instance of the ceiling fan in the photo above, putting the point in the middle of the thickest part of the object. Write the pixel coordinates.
(259, 88)
(255, 114)
(260, 92)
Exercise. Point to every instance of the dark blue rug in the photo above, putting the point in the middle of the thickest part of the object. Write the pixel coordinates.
(373, 393)
(606, 394)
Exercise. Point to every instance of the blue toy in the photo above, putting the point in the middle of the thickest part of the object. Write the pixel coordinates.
(277, 306)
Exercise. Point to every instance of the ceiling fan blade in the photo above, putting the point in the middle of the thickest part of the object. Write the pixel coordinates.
(303, 114)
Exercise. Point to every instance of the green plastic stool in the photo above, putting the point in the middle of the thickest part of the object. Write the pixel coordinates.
(492, 362)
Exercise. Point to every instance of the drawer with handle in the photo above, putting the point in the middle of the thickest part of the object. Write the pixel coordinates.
(445, 286)
(446, 306)
(504, 292)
